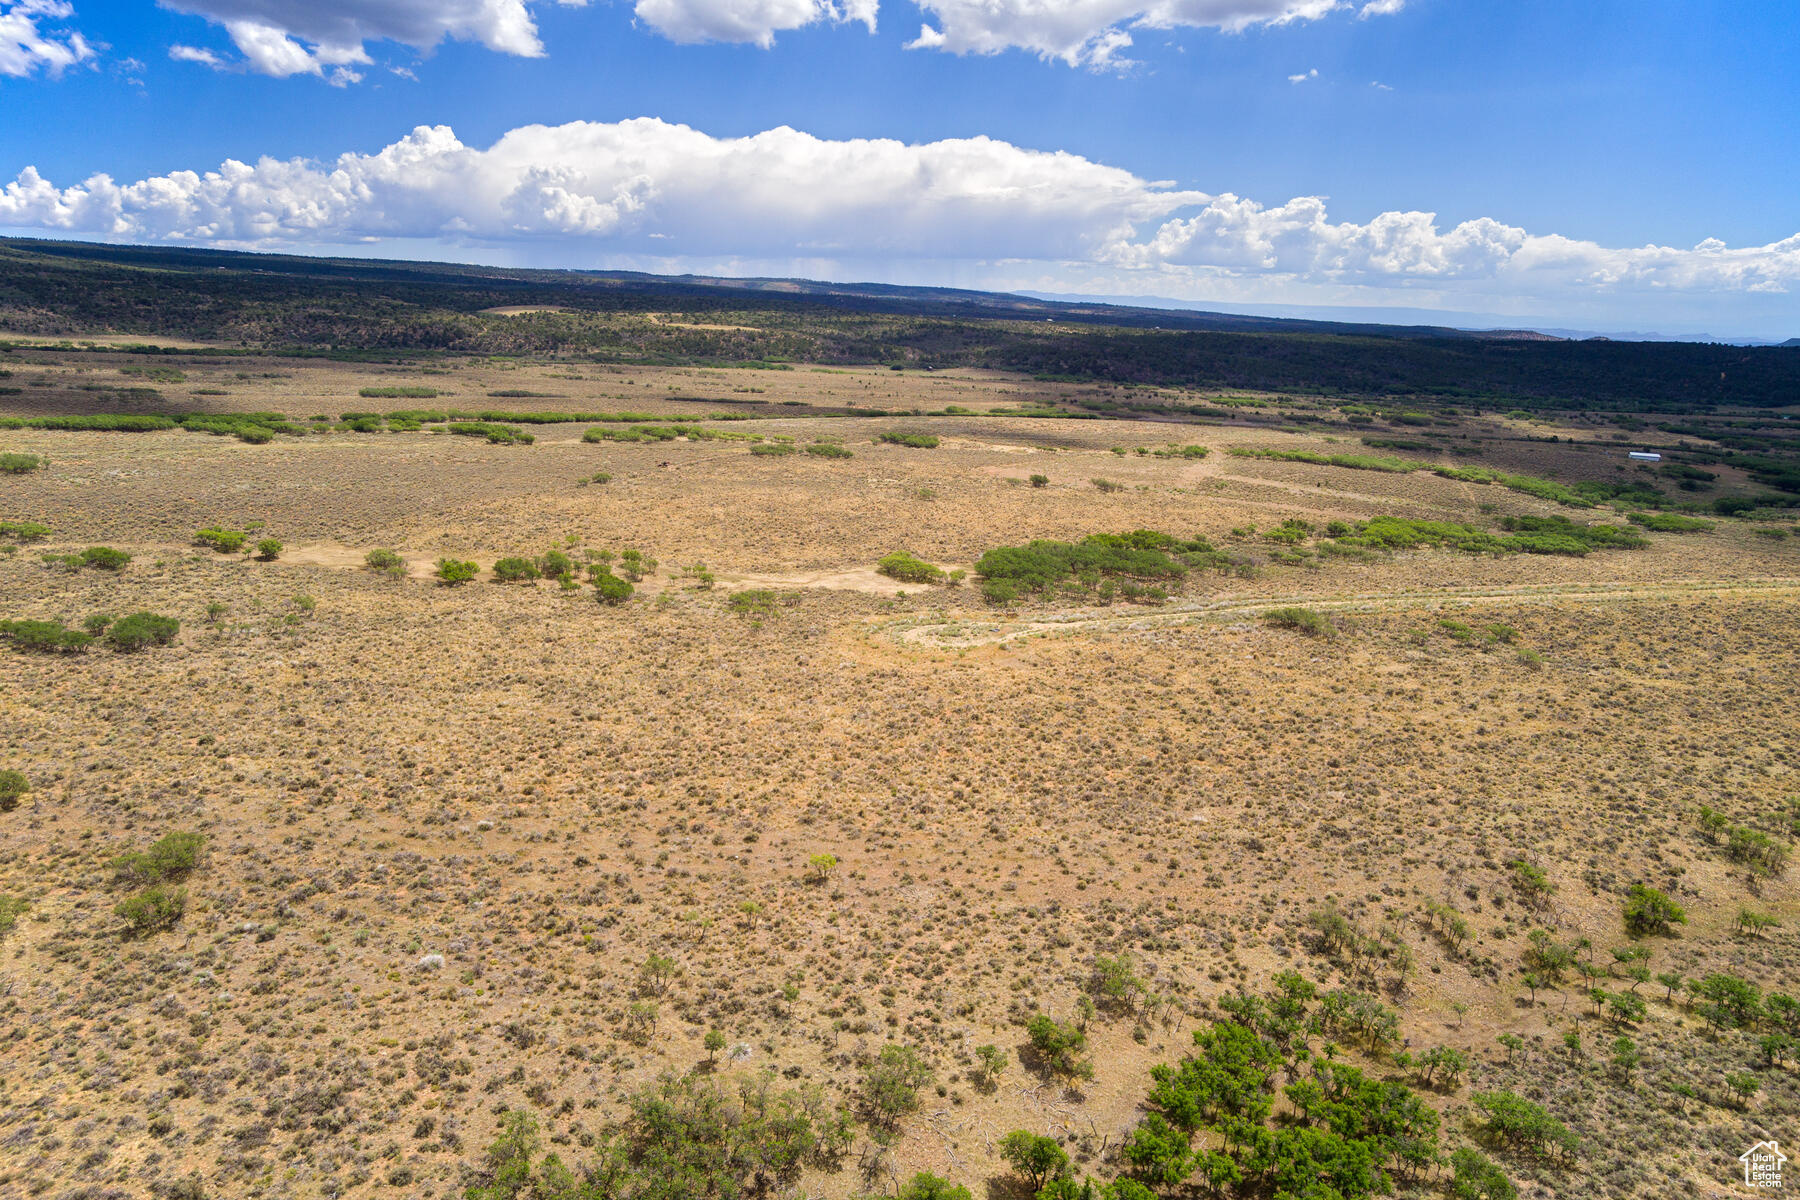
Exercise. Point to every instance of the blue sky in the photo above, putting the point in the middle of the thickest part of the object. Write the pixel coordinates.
(1230, 151)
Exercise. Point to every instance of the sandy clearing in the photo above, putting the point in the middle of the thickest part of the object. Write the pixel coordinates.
(515, 310)
(855, 579)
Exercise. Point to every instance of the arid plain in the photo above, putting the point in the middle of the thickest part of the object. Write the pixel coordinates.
(498, 846)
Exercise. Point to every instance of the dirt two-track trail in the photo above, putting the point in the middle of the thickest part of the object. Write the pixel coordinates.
(993, 630)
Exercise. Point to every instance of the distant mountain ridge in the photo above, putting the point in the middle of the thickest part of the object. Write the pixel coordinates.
(926, 301)
(284, 303)
(1477, 324)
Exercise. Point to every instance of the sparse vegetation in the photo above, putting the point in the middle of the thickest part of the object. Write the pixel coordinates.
(454, 834)
(917, 441)
(1301, 620)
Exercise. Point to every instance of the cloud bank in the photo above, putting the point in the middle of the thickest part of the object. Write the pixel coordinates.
(329, 37)
(977, 210)
(31, 39)
(1094, 33)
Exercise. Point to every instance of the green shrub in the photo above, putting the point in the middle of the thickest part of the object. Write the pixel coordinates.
(170, 857)
(636, 564)
(1756, 849)
(1649, 911)
(1305, 620)
(410, 418)
(141, 630)
(1058, 1047)
(660, 433)
(753, 602)
(1727, 1001)
(499, 435)
(1521, 1124)
(268, 550)
(600, 477)
(515, 570)
(829, 450)
(152, 909)
(45, 637)
(1000, 591)
(20, 464)
(451, 572)
(554, 564)
(1527, 535)
(225, 541)
(255, 428)
(608, 588)
(1008, 572)
(891, 1084)
(11, 909)
(1582, 495)
(384, 560)
(104, 423)
(1354, 462)
(1670, 523)
(105, 558)
(918, 441)
(772, 449)
(13, 785)
(1038, 481)
(1108, 486)
(926, 1186)
(24, 531)
(398, 393)
(907, 568)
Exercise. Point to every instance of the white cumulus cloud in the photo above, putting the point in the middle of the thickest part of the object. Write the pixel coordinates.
(196, 54)
(33, 39)
(328, 37)
(755, 21)
(975, 210)
(1094, 33)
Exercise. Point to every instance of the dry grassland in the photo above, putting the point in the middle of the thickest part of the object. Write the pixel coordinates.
(545, 791)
